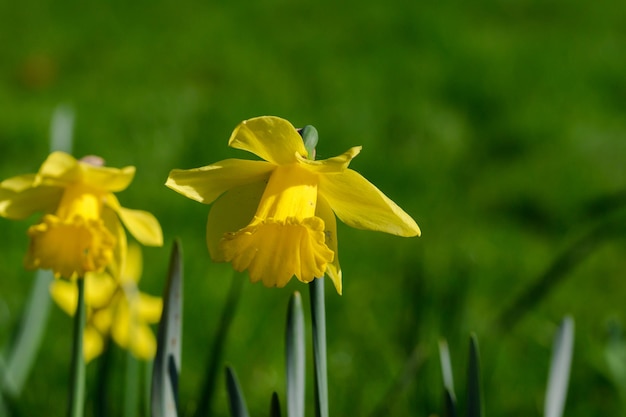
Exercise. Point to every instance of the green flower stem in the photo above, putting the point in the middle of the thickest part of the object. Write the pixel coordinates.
(318, 317)
(76, 404)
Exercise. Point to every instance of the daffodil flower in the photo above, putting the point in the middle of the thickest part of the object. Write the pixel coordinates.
(81, 230)
(276, 218)
(115, 308)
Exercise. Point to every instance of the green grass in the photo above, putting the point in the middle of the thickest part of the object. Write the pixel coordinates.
(497, 125)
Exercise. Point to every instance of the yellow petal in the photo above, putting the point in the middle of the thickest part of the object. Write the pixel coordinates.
(271, 138)
(130, 333)
(141, 224)
(102, 319)
(62, 168)
(333, 270)
(358, 203)
(207, 183)
(93, 343)
(335, 164)
(107, 178)
(19, 205)
(149, 308)
(114, 226)
(143, 343)
(273, 252)
(232, 211)
(65, 294)
(99, 289)
(18, 184)
(121, 325)
(133, 265)
(59, 168)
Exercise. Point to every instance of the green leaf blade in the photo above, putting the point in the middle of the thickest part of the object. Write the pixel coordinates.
(558, 379)
(169, 340)
(236, 399)
(448, 380)
(275, 406)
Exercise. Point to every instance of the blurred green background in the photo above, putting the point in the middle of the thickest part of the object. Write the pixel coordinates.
(499, 125)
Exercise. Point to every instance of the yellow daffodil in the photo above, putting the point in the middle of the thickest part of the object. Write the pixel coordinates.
(80, 231)
(115, 308)
(276, 218)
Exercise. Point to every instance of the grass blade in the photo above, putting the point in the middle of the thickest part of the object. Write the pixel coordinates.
(474, 395)
(295, 351)
(318, 318)
(169, 340)
(236, 400)
(562, 352)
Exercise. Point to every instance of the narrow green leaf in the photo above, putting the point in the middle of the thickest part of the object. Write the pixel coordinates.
(169, 340)
(446, 367)
(474, 394)
(448, 380)
(318, 318)
(295, 350)
(25, 345)
(558, 379)
(275, 406)
(76, 405)
(236, 399)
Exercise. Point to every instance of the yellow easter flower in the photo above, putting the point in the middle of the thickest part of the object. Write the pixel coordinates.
(80, 231)
(115, 308)
(276, 218)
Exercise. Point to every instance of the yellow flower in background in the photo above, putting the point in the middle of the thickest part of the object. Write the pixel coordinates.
(276, 218)
(81, 230)
(115, 308)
